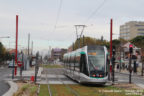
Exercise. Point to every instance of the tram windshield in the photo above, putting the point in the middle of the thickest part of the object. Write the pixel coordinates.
(96, 60)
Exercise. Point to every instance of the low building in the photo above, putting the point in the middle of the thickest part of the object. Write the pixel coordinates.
(57, 53)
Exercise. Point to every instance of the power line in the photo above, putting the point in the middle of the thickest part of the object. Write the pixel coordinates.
(58, 15)
(96, 10)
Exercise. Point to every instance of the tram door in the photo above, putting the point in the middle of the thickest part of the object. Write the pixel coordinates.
(83, 67)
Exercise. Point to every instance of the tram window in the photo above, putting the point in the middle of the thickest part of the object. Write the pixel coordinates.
(77, 65)
(69, 63)
(74, 62)
(97, 62)
(64, 62)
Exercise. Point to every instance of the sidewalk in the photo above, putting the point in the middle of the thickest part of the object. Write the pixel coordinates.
(26, 74)
(127, 72)
(137, 75)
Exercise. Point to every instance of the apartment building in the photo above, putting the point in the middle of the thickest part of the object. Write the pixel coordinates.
(131, 29)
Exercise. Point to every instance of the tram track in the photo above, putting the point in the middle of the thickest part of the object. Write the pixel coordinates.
(48, 85)
(67, 86)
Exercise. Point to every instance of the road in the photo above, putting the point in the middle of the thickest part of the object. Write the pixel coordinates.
(3, 85)
(123, 77)
(54, 75)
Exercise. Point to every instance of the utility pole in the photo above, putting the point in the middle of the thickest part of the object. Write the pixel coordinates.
(111, 24)
(102, 38)
(13, 66)
(142, 66)
(73, 47)
(120, 57)
(83, 40)
(21, 67)
(28, 43)
(142, 56)
(36, 66)
(81, 32)
(32, 49)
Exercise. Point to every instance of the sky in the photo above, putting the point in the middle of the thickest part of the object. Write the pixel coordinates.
(51, 22)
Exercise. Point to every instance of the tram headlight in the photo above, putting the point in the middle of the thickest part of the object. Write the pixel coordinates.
(94, 75)
(100, 75)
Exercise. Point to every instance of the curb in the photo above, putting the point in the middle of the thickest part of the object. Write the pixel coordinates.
(131, 74)
(38, 90)
(13, 88)
(140, 85)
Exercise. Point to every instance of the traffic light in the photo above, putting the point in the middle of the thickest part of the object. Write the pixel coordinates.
(131, 48)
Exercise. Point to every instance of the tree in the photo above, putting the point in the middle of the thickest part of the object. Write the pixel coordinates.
(2, 52)
(116, 42)
(89, 41)
(138, 41)
(4, 55)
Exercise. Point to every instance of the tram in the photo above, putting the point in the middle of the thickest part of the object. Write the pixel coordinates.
(87, 64)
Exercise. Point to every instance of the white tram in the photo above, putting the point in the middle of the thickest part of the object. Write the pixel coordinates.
(87, 64)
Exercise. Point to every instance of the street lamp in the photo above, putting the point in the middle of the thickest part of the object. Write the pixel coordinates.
(5, 37)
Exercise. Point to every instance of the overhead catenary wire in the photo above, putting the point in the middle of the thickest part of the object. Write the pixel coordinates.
(87, 19)
(58, 15)
(95, 11)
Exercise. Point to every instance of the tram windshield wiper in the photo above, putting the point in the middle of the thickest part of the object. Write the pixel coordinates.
(92, 64)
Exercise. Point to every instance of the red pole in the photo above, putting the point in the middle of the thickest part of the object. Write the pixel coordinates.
(16, 44)
(111, 24)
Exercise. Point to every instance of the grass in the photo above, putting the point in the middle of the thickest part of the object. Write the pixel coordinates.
(43, 90)
(29, 89)
(52, 66)
(33, 90)
(60, 90)
(83, 90)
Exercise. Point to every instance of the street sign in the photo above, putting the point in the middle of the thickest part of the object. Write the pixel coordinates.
(19, 63)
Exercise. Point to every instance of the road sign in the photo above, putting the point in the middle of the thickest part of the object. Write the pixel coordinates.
(19, 63)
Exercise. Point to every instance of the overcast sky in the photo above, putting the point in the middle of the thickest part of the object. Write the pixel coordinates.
(38, 17)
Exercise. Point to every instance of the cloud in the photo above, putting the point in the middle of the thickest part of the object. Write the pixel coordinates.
(38, 18)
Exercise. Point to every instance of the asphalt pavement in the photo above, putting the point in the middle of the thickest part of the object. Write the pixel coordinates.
(4, 87)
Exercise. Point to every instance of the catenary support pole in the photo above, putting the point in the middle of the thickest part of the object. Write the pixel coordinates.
(110, 51)
(16, 46)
